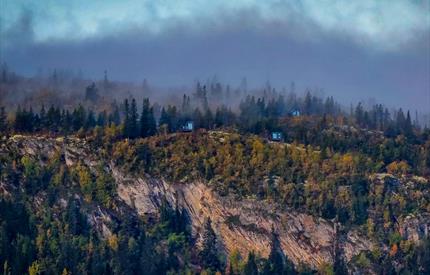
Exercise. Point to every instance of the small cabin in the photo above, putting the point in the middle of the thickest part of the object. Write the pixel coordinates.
(188, 126)
(295, 112)
(276, 136)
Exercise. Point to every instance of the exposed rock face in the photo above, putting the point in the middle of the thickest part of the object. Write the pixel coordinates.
(415, 227)
(244, 225)
(240, 224)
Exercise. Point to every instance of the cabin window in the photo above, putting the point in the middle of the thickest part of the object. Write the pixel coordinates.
(276, 136)
(188, 126)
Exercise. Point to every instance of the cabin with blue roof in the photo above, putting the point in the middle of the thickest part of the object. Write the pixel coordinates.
(276, 136)
(295, 112)
(188, 126)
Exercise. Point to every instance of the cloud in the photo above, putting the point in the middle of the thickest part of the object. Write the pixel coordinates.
(21, 31)
(352, 49)
(378, 24)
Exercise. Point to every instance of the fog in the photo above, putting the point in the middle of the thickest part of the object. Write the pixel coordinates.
(339, 62)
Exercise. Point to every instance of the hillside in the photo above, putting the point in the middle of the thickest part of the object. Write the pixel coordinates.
(151, 198)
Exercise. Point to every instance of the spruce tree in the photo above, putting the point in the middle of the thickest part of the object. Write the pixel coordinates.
(179, 219)
(339, 263)
(90, 121)
(67, 122)
(209, 253)
(279, 263)
(164, 118)
(408, 129)
(276, 256)
(3, 120)
(147, 120)
(19, 119)
(172, 118)
(42, 117)
(115, 116)
(133, 117)
(251, 266)
(208, 119)
(126, 128)
(30, 120)
(51, 118)
(185, 104)
(198, 119)
(424, 256)
(78, 118)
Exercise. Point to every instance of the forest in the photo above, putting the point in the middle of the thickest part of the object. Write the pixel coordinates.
(191, 137)
(326, 164)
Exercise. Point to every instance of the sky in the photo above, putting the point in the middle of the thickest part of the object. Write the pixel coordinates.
(353, 50)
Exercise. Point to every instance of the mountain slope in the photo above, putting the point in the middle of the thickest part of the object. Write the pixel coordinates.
(242, 223)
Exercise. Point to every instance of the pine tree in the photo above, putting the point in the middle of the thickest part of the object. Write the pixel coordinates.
(251, 266)
(166, 212)
(115, 117)
(424, 256)
(198, 119)
(185, 104)
(42, 117)
(147, 120)
(359, 114)
(308, 103)
(164, 119)
(179, 219)
(133, 117)
(90, 121)
(208, 119)
(20, 117)
(30, 120)
(152, 128)
(172, 116)
(102, 118)
(339, 263)
(408, 126)
(401, 121)
(230, 270)
(276, 256)
(78, 118)
(126, 129)
(52, 119)
(91, 93)
(67, 122)
(3, 120)
(279, 263)
(209, 253)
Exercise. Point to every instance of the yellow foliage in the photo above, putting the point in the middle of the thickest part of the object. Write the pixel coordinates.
(113, 242)
(257, 153)
(398, 167)
(347, 162)
(34, 269)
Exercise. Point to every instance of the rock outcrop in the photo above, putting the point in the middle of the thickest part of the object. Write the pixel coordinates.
(243, 224)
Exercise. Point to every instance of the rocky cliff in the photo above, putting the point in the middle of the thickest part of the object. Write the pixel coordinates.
(244, 225)
(240, 224)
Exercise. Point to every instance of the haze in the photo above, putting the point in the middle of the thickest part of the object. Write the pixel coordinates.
(353, 50)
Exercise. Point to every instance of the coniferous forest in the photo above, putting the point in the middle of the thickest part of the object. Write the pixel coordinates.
(328, 164)
(275, 137)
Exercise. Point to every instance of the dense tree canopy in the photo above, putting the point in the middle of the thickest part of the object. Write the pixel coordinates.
(333, 164)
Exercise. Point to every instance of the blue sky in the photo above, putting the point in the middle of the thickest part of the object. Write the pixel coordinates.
(352, 49)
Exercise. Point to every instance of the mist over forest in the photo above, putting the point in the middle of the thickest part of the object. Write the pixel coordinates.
(67, 89)
(196, 137)
(354, 52)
